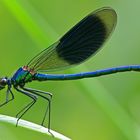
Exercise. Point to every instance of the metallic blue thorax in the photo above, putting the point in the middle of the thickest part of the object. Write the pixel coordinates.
(21, 75)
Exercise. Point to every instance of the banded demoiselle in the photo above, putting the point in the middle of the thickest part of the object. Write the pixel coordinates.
(76, 46)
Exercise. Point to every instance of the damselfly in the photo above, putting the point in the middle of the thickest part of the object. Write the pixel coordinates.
(76, 46)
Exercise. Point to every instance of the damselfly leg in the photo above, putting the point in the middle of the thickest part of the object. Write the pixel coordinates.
(33, 94)
(26, 108)
(7, 100)
(48, 109)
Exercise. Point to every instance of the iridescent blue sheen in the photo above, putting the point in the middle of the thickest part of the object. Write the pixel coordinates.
(97, 73)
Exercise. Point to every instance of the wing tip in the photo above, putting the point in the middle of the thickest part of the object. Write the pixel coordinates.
(108, 16)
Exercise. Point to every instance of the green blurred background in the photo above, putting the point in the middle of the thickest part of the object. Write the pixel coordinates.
(104, 108)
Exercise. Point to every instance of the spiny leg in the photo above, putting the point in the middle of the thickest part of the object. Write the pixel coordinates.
(7, 97)
(29, 104)
(38, 93)
(26, 108)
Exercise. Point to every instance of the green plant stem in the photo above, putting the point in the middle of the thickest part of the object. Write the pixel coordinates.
(32, 126)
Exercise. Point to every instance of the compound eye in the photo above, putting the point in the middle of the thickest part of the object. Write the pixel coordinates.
(3, 82)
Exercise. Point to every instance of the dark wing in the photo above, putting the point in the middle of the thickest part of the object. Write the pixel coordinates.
(79, 43)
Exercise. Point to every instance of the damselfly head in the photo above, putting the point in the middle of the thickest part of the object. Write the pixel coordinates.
(3, 82)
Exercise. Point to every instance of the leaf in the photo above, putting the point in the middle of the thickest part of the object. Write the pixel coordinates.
(22, 124)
